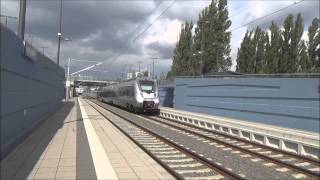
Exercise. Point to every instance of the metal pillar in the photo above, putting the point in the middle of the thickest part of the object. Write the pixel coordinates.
(153, 69)
(201, 55)
(59, 34)
(22, 19)
(139, 63)
(68, 80)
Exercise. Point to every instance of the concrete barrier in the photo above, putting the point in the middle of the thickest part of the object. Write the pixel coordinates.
(292, 140)
(31, 88)
(289, 101)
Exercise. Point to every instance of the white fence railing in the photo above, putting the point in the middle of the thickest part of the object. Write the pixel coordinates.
(292, 140)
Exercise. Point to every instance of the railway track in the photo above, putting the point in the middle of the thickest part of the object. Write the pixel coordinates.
(179, 161)
(298, 167)
(308, 166)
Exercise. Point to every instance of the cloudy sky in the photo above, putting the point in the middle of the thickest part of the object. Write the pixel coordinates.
(125, 33)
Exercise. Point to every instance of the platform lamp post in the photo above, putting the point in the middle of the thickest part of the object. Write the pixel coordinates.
(59, 33)
(22, 19)
(61, 38)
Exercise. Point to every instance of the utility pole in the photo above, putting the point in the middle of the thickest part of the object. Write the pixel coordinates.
(22, 19)
(153, 69)
(201, 55)
(153, 66)
(59, 33)
(202, 46)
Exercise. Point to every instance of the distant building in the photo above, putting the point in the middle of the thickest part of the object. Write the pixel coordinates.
(133, 75)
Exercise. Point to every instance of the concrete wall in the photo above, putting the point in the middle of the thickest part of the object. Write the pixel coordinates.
(30, 90)
(285, 102)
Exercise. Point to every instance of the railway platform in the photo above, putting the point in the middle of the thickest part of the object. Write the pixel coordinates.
(77, 142)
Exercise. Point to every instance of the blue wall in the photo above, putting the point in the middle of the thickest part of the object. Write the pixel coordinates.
(286, 102)
(166, 96)
(30, 90)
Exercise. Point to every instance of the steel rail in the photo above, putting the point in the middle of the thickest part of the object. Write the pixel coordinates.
(304, 158)
(279, 162)
(193, 155)
(164, 165)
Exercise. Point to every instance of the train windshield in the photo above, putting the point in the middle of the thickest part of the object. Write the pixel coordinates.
(147, 86)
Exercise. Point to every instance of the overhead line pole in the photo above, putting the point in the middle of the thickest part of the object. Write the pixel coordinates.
(139, 63)
(154, 58)
(22, 19)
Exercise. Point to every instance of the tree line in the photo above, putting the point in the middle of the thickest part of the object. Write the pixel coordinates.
(208, 49)
(280, 50)
(274, 50)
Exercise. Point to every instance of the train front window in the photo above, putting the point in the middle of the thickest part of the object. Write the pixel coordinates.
(147, 86)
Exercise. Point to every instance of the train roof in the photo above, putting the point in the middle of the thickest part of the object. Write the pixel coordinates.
(131, 80)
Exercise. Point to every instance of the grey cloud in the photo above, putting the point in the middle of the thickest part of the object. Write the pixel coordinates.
(81, 19)
(163, 50)
(186, 10)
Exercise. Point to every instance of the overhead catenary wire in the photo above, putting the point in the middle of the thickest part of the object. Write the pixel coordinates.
(137, 37)
(295, 3)
(147, 17)
(267, 15)
(165, 10)
(128, 46)
(243, 10)
(132, 32)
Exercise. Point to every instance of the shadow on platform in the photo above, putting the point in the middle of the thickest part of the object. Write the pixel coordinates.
(20, 163)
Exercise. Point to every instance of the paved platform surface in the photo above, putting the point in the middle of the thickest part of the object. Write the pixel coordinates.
(78, 143)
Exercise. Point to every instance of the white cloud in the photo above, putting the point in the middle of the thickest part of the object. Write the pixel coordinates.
(166, 31)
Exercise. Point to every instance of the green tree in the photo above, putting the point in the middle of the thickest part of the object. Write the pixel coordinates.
(295, 47)
(245, 56)
(223, 37)
(285, 62)
(200, 40)
(212, 39)
(182, 57)
(313, 45)
(259, 41)
(304, 61)
(251, 55)
(273, 50)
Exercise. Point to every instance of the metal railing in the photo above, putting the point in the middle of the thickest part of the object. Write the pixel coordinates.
(295, 75)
